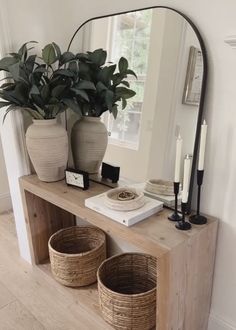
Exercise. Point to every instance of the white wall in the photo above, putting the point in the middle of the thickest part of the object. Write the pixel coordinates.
(56, 20)
(5, 199)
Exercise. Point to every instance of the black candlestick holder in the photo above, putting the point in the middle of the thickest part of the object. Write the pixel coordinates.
(198, 219)
(182, 224)
(175, 216)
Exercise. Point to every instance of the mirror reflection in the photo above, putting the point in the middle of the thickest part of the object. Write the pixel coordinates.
(165, 53)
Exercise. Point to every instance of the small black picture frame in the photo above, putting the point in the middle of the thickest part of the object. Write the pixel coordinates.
(110, 172)
(76, 178)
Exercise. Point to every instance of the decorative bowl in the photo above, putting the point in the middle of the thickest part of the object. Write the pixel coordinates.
(124, 199)
(160, 187)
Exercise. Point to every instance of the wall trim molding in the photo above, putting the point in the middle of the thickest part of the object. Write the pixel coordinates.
(4, 195)
(217, 322)
(5, 202)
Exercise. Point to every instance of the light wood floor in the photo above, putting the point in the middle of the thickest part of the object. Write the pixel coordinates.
(32, 300)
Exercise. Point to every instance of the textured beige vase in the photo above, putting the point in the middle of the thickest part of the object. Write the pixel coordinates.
(47, 145)
(89, 142)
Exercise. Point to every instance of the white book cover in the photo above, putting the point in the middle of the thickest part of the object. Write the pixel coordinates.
(126, 218)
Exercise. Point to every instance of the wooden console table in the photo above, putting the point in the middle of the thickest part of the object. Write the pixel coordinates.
(185, 259)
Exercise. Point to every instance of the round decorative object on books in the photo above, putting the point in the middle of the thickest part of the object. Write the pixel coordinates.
(75, 255)
(47, 145)
(124, 199)
(89, 139)
(127, 291)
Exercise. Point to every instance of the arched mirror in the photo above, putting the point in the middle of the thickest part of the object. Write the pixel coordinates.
(167, 53)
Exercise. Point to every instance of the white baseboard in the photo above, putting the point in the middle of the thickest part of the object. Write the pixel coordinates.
(5, 202)
(218, 323)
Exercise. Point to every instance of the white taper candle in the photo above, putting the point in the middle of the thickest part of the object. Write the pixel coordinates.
(179, 143)
(202, 146)
(187, 168)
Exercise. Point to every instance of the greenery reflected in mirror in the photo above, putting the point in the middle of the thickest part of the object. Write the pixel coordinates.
(156, 42)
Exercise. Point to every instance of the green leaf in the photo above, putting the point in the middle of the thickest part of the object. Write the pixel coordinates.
(125, 92)
(80, 92)
(7, 86)
(61, 108)
(4, 104)
(64, 72)
(41, 68)
(109, 96)
(82, 56)
(6, 62)
(45, 93)
(73, 106)
(23, 76)
(100, 87)
(23, 49)
(33, 113)
(49, 54)
(66, 57)
(73, 66)
(53, 100)
(21, 93)
(84, 70)
(123, 65)
(52, 110)
(124, 103)
(57, 49)
(85, 84)
(15, 55)
(131, 72)
(117, 78)
(15, 71)
(126, 83)
(29, 64)
(9, 96)
(98, 56)
(114, 110)
(58, 90)
(106, 74)
(34, 90)
(37, 100)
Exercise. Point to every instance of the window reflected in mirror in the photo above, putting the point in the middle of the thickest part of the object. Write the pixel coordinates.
(129, 36)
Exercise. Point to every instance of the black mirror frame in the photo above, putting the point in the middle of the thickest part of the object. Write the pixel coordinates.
(203, 86)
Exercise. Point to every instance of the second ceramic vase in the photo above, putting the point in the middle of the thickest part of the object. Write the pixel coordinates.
(89, 139)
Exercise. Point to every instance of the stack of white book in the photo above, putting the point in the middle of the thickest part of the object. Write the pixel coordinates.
(126, 218)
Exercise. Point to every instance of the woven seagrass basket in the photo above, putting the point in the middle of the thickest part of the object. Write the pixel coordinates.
(127, 291)
(75, 255)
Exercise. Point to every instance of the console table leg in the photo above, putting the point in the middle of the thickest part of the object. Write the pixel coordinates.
(43, 219)
(185, 282)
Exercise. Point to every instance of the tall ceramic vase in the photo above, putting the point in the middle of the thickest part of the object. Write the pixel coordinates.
(89, 142)
(47, 145)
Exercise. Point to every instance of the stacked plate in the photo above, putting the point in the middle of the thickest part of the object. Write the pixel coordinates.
(160, 187)
(124, 199)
